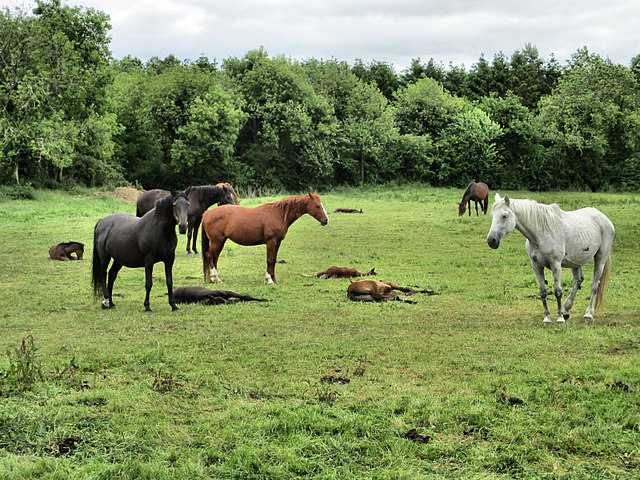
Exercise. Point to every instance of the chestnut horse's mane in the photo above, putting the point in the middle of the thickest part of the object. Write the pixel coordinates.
(293, 205)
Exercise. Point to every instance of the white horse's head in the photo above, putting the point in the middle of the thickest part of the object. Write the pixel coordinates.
(503, 220)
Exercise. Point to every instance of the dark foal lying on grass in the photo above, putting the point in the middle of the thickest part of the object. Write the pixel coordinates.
(341, 272)
(348, 210)
(206, 296)
(376, 291)
(63, 251)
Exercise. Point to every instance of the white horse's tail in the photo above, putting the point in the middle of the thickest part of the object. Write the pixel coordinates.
(604, 283)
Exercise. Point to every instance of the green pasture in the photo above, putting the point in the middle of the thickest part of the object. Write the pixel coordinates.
(311, 385)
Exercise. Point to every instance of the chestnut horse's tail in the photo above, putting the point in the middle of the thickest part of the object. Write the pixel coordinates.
(604, 283)
(204, 250)
(97, 271)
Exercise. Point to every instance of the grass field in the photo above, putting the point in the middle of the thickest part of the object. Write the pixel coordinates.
(311, 385)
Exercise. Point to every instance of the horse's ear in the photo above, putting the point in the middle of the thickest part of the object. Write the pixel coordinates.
(174, 193)
(310, 196)
(497, 197)
(506, 200)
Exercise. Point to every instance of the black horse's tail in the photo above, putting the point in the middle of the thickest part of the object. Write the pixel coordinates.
(97, 272)
(204, 249)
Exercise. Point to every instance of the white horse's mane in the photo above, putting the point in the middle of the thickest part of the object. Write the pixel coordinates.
(534, 214)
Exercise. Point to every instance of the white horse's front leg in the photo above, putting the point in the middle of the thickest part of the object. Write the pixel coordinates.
(578, 278)
(556, 269)
(539, 272)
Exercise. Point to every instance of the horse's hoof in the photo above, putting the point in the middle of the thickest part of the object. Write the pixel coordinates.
(547, 321)
(174, 308)
(588, 316)
(560, 320)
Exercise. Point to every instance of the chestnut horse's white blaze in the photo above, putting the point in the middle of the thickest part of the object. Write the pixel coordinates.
(557, 239)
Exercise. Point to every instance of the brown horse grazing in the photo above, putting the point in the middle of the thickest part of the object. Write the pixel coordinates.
(266, 224)
(478, 192)
(341, 272)
(200, 198)
(206, 296)
(63, 251)
(375, 291)
(348, 210)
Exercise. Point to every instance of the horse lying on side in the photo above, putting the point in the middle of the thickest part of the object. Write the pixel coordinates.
(63, 251)
(375, 291)
(348, 210)
(206, 296)
(341, 272)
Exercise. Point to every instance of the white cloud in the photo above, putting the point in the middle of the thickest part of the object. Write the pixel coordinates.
(394, 31)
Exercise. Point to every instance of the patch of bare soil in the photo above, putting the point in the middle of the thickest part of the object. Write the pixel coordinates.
(125, 194)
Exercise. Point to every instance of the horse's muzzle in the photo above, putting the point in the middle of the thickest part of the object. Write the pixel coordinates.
(493, 242)
(182, 228)
(324, 222)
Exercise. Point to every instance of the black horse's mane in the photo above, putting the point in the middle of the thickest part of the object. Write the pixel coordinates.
(165, 204)
(468, 190)
(201, 192)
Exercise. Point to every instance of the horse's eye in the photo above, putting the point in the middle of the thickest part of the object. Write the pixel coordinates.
(505, 215)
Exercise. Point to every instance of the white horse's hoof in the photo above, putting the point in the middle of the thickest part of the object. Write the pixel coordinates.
(588, 316)
(547, 321)
(560, 320)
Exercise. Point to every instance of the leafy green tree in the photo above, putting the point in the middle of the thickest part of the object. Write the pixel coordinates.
(520, 160)
(591, 123)
(380, 74)
(54, 72)
(204, 147)
(462, 135)
(286, 139)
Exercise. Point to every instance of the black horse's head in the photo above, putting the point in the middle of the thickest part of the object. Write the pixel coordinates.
(180, 207)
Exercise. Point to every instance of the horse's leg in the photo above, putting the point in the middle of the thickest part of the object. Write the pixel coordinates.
(148, 282)
(196, 227)
(190, 232)
(485, 205)
(272, 254)
(476, 202)
(542, 288)
(598, 267)
(108, 292)
(556, 269)
(578, 278)
(216, 245)
(168, 274)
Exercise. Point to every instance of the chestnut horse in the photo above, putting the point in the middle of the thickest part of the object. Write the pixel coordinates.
(266, 224)
(478, 192)
(376, 291)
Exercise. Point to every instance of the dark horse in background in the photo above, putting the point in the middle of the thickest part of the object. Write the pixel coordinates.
(479, 193)
(138, 242)
(200, 198)
(266, 224)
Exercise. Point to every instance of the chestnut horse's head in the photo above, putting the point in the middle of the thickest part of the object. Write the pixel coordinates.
(316, 209)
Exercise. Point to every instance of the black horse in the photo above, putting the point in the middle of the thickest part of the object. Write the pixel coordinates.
(200, 197)
(138, 242)
(206, 296)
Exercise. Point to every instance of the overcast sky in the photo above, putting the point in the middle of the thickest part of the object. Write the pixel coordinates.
(392, 31)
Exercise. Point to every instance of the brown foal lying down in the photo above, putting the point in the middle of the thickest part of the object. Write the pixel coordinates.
(341, 272)
(375, 291)
(63, 251)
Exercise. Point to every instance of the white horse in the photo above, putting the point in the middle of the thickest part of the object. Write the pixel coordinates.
(557, 239)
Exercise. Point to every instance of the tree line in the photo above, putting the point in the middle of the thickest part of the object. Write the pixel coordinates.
(71, 114)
